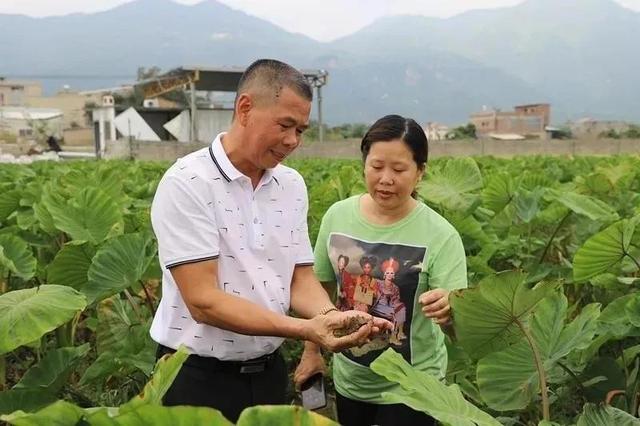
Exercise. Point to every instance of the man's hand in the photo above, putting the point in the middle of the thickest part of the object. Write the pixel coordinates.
(311, 363)
(325, 329)
(380, 325)
(435, 305)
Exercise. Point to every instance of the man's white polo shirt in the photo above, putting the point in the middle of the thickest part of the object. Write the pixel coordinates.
(204, 208)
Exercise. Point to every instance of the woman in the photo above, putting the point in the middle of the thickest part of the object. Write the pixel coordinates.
(388, 222)
(389, 301)
(366, 286)
(345, 283)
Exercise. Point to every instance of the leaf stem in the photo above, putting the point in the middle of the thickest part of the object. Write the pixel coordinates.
(540, 368)
(148, 299)
(546, 249)
(3, 372)
(133, 305)
(633, 259)
(573, 376)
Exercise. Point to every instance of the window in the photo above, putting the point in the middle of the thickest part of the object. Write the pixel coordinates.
(25, 132)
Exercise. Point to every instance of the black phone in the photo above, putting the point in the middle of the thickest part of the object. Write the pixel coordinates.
(313, 392)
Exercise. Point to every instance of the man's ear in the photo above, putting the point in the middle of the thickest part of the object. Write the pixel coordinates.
(244, 104)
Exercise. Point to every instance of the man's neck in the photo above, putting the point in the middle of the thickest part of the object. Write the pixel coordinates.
(232, 146)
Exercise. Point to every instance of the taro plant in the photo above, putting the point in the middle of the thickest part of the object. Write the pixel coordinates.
(611, 259)
(428, 394)
(146, 408)
(517, 331)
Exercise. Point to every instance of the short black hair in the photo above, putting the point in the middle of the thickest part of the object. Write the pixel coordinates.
(392, 127)
(271, 75)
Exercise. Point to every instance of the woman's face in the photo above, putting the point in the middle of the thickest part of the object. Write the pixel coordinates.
(367, 269)
(389, 274)
(342, 263)
(390, 173)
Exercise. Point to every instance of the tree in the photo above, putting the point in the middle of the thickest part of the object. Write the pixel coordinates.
(463, 132)
(147, 73)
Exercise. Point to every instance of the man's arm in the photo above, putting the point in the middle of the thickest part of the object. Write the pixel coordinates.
(208, 304)
(308, 297)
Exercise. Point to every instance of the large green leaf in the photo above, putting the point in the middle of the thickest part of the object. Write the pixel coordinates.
(26, 315)
(599, 415)
(615, 320)
(16, 257)
(585, 205)
(24, 399)
(9, 202)
(498, 192)
(156, 415)
(594, 183)
(605, 250)
(468, 226)
(118, 264)
(347, 182)
(453, 186)
(71, 266)
(60, 413)
(116, 319)
(44, 218)
(509, 379)
(424, 392)
(122, 341)
(486, 317)
(90, 215)
(119, 364)
(527, 204)
(282, 415)
(632, 309)
(53, 371)
(165, 373)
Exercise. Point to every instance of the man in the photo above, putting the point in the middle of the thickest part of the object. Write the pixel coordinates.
(233, 244)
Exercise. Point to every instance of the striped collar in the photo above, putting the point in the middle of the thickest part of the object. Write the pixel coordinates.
(228, 171)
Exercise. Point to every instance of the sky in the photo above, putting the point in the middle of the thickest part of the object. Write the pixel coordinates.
(323, 20)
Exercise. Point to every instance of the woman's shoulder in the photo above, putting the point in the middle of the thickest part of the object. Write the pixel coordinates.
(343, 206)
(435, 220)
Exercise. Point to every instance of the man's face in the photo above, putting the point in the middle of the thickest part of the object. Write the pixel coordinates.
(274, 128)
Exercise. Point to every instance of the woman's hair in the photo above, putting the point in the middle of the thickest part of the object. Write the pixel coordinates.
(392, 127)
(371, 260)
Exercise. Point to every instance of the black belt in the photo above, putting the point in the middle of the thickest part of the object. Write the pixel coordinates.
(256, 365)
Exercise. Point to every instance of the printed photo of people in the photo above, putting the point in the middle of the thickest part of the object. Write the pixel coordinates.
(382, 280)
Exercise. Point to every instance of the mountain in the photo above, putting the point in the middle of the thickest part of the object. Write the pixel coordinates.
(580, 55)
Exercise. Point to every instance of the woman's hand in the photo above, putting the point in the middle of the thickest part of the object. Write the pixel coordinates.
(435, 305)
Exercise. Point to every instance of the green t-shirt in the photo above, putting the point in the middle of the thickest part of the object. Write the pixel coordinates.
(383, 270)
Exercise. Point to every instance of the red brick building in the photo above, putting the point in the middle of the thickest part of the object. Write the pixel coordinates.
(523, 120)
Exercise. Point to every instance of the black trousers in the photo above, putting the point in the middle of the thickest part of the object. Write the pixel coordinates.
(358, 413)
(221, 385)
